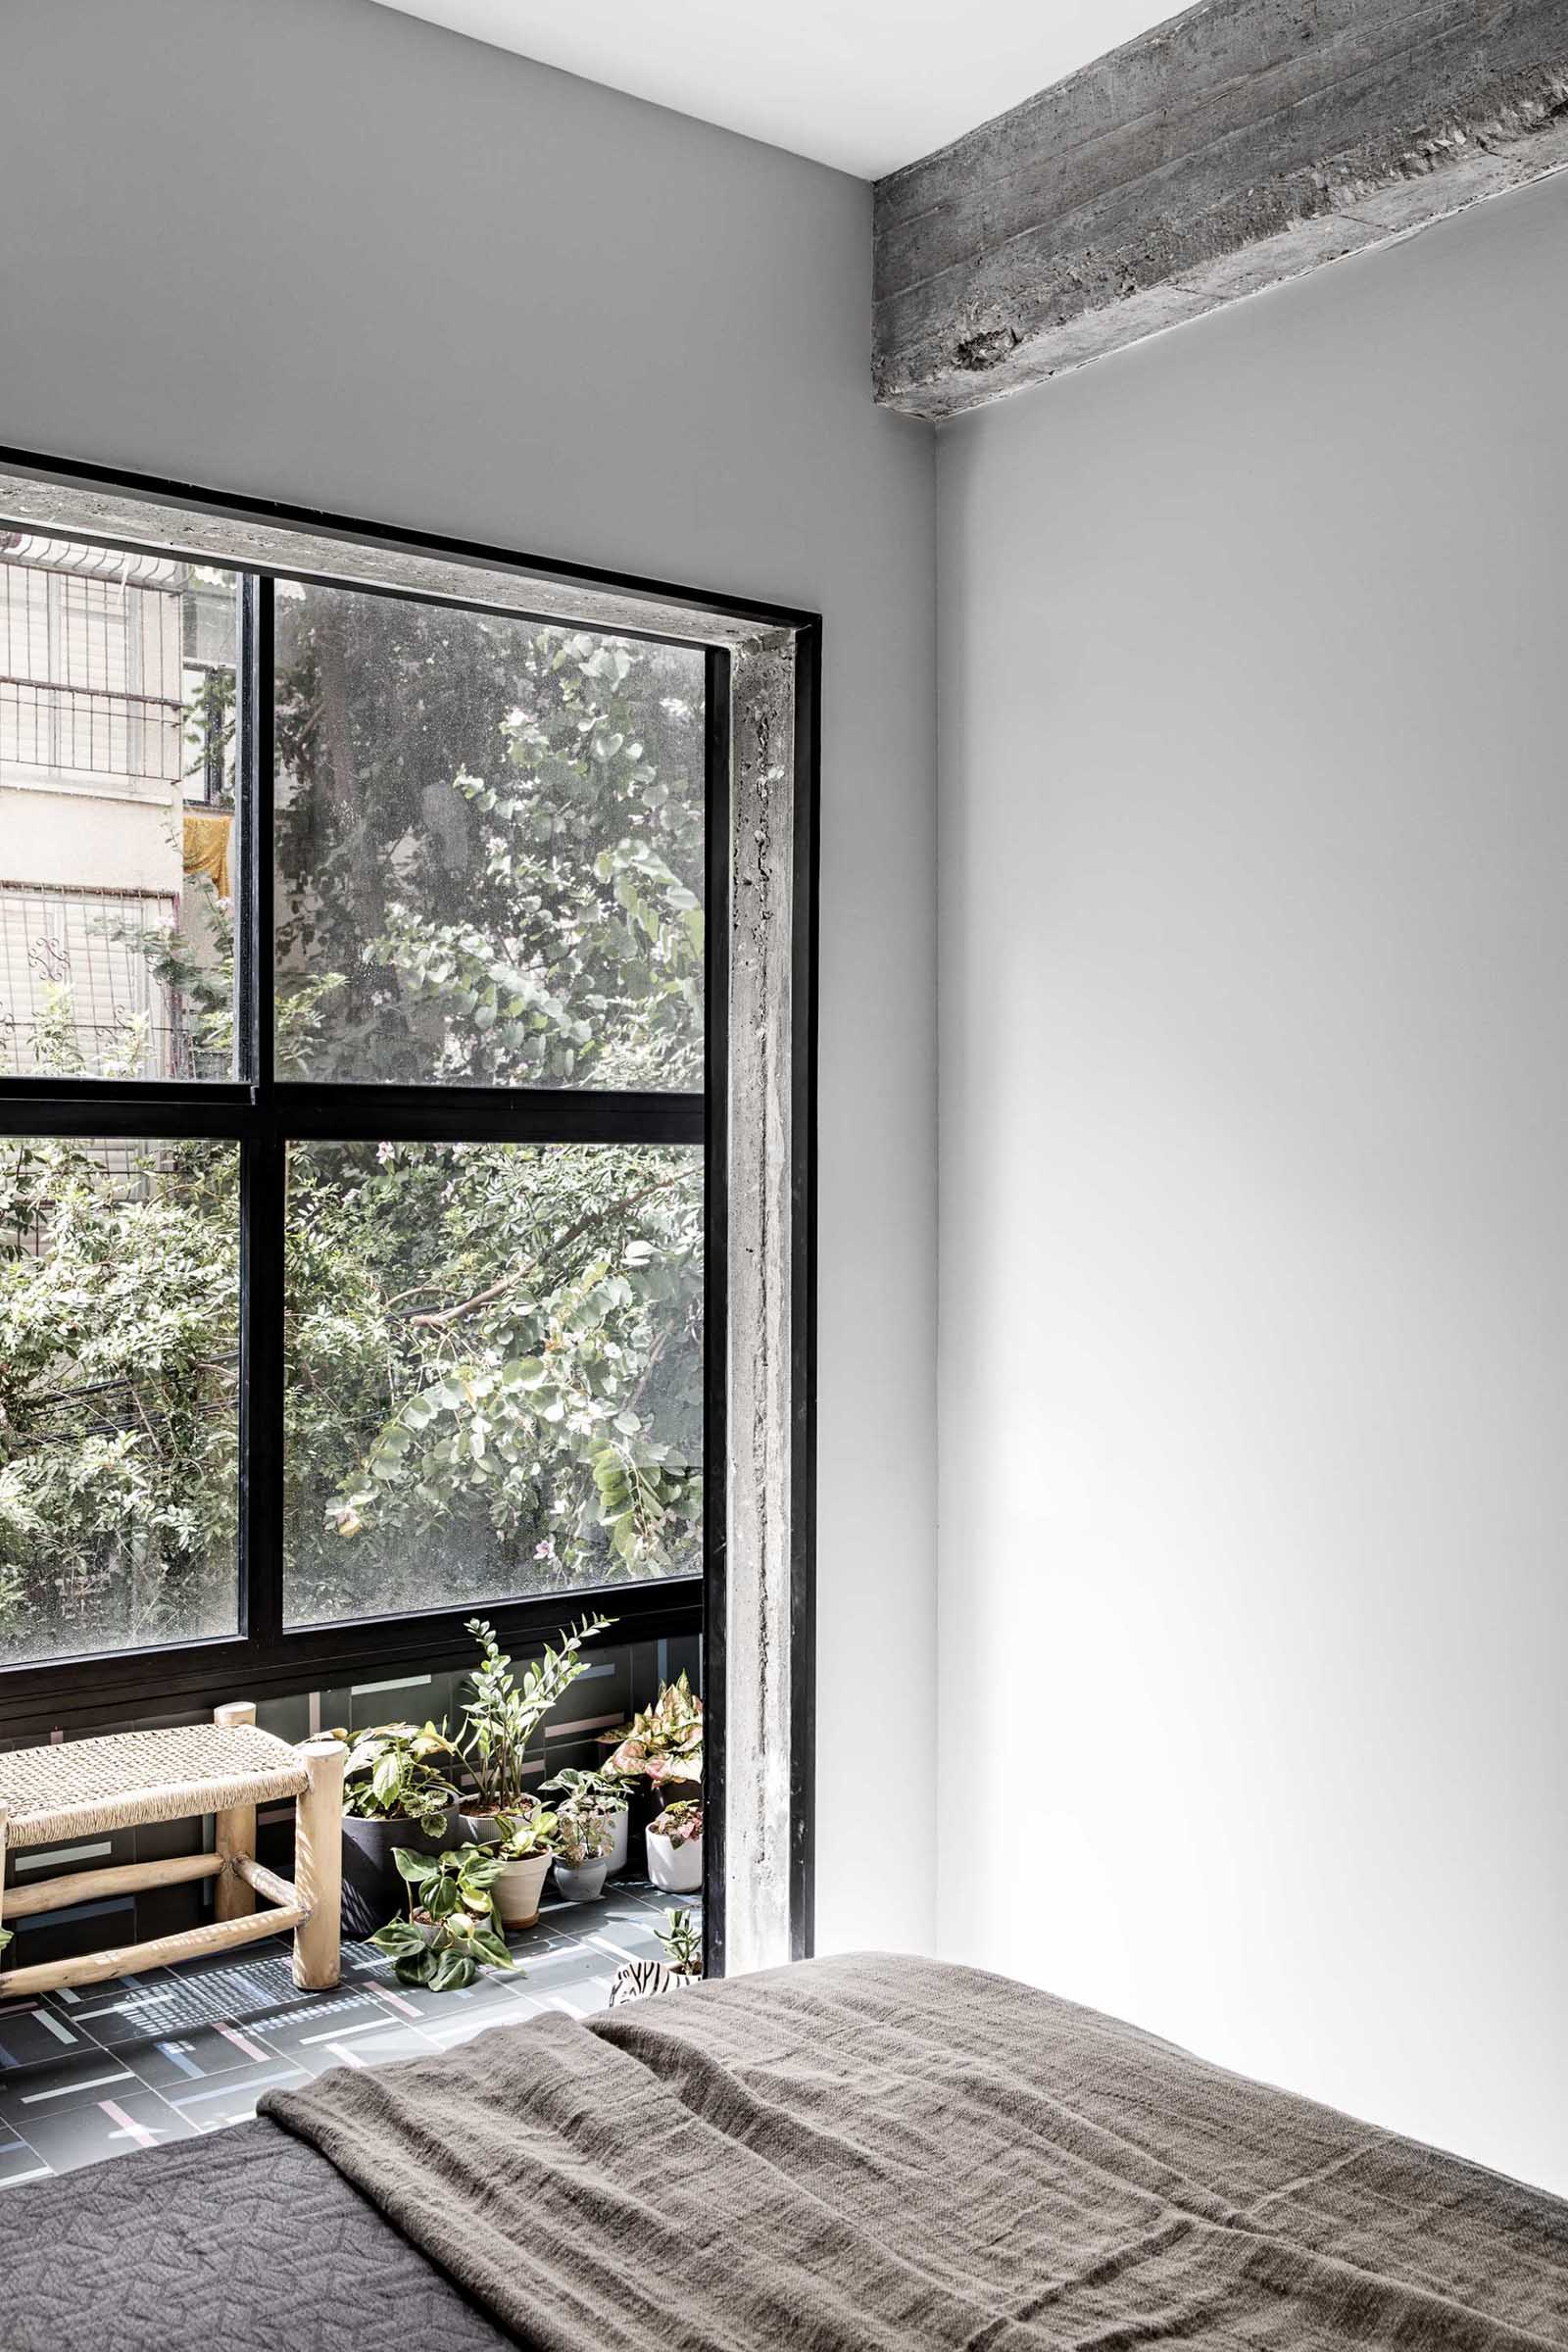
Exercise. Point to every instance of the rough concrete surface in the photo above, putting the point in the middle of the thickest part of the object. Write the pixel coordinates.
(1236, 147)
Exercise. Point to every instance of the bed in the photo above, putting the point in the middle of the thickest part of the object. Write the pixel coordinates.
(852, 2155)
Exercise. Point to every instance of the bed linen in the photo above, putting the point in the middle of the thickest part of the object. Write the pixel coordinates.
(845, 2156)
(872, 2154)
(243, 2241)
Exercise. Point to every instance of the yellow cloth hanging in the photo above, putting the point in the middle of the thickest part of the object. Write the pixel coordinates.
(207, 848)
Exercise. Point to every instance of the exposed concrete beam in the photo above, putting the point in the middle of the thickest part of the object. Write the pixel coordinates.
(1242, 144)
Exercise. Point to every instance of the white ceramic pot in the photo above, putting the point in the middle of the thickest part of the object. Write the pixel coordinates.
(518, 1887)
(582, 1884)
(616, 1859)
(677, 1869)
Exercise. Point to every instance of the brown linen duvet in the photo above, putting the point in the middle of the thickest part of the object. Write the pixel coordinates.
(844, 2156)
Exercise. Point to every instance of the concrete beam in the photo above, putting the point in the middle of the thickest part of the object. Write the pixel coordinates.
(1239, 145)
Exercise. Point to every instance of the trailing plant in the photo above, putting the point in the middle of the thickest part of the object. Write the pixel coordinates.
(681, 1824)
(583, 1835)
(401, 1772)
(501, 1713)
(453, 1928)
(682, 1937)
(665, 1741)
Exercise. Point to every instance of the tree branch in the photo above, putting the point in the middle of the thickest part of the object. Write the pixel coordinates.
(563, 1241)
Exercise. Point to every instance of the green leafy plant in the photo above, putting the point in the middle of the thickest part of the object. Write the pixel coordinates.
(492, 853)
(502, 1713)
(587, 1792)
(665, 1741)
(453, 1928)
(583, 1835)
(401, 1772)
(682, 1937)
(681, 1824)
(525, 1834)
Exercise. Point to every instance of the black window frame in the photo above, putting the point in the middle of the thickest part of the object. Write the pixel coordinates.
(264, 1115)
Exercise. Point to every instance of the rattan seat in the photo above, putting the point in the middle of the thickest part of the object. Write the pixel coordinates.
(86, 1787)
(82, 1787)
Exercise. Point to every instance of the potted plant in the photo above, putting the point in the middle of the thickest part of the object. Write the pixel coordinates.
(675, 1848)
(524, 1847)
(665, 1741)
(583, 1842)
(502, 1713)
(681, 1938)
(398, 1790)
(663, 1747)
(452, 1928)
(595, 1792)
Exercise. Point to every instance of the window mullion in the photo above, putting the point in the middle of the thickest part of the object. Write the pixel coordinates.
(263, 1182)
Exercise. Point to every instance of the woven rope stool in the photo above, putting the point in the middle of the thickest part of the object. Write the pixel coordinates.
(80, 1788)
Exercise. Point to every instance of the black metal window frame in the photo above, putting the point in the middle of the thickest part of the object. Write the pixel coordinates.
(264, 1115)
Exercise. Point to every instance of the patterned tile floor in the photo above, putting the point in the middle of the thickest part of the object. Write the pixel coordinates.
(139, 2061)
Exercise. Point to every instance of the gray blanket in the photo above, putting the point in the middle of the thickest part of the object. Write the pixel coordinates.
(243, 2241)
(873, 2154)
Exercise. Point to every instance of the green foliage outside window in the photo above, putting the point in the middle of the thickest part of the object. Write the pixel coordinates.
(490, 856)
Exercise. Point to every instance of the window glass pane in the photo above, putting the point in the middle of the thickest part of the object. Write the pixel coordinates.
(494, 1372)
(489, 849)
(116, 694)
(119, 1393)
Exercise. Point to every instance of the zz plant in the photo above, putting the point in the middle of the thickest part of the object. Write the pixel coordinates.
(453, 1928)
(502, 1713)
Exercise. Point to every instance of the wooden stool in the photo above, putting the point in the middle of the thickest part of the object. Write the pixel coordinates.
(80, 1788)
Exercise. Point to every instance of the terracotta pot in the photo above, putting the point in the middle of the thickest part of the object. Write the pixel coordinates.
(517, 1889)
(676, 1869)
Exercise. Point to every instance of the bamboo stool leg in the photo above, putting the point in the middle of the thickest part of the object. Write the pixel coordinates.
(235, 1831)
(318, 1866)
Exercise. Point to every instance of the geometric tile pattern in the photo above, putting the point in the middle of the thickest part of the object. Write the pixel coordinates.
(140, 2061)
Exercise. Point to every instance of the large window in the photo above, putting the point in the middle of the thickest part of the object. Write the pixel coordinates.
(353, 1192)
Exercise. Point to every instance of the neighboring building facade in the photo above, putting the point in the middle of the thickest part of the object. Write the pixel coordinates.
(115, 681)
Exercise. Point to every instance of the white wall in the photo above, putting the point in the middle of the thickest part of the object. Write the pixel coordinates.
(318, 251)
(1255, 1186)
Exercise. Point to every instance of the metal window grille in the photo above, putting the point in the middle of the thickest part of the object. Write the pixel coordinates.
(90, 662)
(77, 966)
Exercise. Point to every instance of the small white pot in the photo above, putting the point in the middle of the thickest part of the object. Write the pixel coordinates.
(676, 1869)
(516, 1888)
(616, 1857)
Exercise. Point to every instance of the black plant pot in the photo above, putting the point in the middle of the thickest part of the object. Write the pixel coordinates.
(372, 1890)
